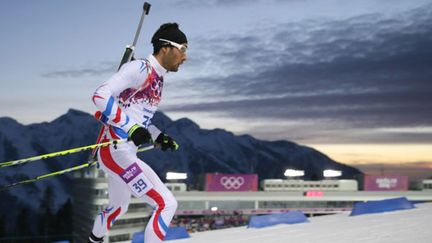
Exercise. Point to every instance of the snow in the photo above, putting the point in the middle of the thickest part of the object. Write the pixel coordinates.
(402, 226)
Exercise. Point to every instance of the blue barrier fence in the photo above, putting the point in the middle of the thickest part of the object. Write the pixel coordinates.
(293, 217)
(381, 206)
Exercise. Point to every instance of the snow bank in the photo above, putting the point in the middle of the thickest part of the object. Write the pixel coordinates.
(395, 227)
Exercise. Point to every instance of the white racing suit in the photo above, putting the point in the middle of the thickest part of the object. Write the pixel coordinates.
(131, 97)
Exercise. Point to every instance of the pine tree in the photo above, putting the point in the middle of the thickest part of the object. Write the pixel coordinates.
(22, 227)
(64, 224)
(2, 225)
(46, 215)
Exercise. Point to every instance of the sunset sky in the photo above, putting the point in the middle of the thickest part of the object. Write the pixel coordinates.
(352, 79)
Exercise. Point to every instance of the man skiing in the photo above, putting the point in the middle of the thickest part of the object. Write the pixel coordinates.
(127, 102)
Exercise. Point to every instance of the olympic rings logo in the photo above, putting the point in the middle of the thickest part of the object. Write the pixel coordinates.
(156, 87)
(232, 182)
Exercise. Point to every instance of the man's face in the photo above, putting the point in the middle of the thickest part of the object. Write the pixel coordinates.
(175, 57)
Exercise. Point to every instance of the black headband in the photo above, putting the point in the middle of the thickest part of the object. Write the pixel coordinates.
(171, 34)
(174, 35)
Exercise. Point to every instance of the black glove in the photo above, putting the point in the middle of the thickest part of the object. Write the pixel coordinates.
(139, 135)
(166, 142)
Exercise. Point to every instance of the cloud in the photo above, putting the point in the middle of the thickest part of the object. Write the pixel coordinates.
(415, 170)
(367, 71)
(102, 68)
(378, 108)
(216, 3)
(328, 55)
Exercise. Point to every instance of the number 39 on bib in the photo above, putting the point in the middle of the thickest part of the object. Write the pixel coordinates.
(136, 180)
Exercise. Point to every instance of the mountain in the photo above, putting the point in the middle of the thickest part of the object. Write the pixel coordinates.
(201, 151)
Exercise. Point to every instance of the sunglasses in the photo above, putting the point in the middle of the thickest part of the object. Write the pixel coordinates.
(181, 48)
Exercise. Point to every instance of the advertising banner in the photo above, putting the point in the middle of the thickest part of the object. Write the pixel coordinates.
(385, 183)
(231, 182)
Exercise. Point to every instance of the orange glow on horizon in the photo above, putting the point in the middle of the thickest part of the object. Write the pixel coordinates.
(376, 153)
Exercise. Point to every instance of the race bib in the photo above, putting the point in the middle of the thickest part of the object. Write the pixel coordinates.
(136, 180)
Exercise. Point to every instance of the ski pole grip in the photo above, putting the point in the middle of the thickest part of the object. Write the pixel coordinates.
(146, 7)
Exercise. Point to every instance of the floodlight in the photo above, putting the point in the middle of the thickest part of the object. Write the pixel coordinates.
(293, 173)
(176, 176)
(332, 173)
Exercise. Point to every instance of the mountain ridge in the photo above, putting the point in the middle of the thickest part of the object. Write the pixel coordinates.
(201, 151)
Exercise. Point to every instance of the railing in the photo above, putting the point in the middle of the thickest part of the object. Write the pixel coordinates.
(264, 211)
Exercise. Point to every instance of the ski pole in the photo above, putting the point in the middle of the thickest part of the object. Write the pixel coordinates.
(60, 172)
(38, 178)
(127, 56)
(60, 153)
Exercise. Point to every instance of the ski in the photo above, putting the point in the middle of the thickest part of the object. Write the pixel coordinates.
(61, 153)
(60, 172)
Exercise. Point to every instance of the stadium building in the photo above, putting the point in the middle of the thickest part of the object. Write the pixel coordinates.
(228, 197)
